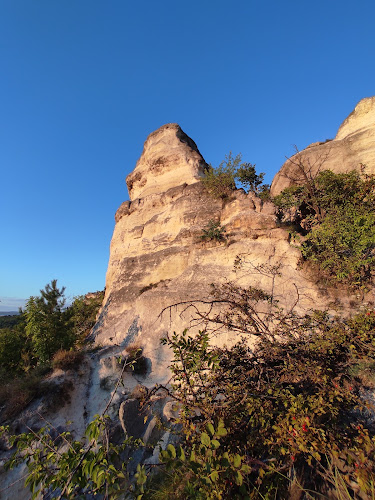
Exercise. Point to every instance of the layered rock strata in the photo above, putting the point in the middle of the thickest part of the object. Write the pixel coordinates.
(353, 148)
(158, 259)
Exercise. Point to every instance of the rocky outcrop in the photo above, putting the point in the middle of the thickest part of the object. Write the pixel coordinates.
(353, 148)
(169, 158)
(158, 259)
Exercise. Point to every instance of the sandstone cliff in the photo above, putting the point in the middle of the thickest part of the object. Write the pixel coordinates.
(158, 259)
(351, 149)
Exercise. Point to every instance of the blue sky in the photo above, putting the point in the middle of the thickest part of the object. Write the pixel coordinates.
(84, 82)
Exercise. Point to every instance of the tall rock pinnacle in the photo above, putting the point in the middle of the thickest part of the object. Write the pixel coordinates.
(170, 158)
(158, 257)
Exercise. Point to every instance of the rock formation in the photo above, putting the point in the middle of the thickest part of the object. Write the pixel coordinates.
(158, 259)
(353, 148)
(168, 154)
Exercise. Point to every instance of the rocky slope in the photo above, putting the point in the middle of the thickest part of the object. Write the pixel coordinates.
(353, 148)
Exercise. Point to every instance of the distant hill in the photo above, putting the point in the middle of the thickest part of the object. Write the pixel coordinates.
(9, 319)
(9, 313)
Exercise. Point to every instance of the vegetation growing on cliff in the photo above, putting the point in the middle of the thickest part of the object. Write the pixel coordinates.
(220, 182)
(335, 212)
(286, 418)
(213, 231)
(290, 417)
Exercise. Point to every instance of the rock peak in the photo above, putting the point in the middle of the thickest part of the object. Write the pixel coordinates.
(353, 148)
(363, 116)
(169, 158)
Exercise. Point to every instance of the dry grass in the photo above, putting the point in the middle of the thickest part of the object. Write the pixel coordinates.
(17, 394)
(67, 360)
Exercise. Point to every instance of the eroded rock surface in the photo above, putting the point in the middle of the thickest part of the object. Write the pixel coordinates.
(158, 259)
(353, 148)
(169, 158)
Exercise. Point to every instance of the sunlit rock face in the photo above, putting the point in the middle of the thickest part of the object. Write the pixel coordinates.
(169, 158)
(353, 148)
(158, 258)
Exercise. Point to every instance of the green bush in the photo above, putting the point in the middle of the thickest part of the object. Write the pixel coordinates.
(343, 245)
(213, 231)
(12, 345)
(337, 215)
(285, 414)
(220, 182)
(80, 316)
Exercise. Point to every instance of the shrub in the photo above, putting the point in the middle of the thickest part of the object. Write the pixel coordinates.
(220, 182)
(213, 231)
(67, 360)
(17, 394)
(80, 317)
(337, 214)
(343, 245)
(289, 407)
(12, 345)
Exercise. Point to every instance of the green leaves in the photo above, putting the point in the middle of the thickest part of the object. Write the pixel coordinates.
(220, 181)
(205, 439)
(337, 212)
(289, 402)
(80, 468)
(213, 231)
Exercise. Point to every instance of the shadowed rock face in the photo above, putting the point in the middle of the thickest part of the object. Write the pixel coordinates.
(169, 158)
(351, 149)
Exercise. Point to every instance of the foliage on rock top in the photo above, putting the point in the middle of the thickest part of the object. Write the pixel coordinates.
(220, 182)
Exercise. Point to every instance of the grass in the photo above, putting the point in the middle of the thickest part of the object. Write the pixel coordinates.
(67, 360)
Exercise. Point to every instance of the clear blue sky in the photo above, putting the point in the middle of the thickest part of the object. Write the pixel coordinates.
(83, 82)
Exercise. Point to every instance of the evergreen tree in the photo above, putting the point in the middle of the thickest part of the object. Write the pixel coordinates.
(45, 322)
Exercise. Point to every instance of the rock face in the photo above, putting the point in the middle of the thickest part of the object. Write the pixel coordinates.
(169, 158)
(158, 259)
(351, 149)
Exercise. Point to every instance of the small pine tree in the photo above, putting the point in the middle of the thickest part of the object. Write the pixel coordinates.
(45, 322)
